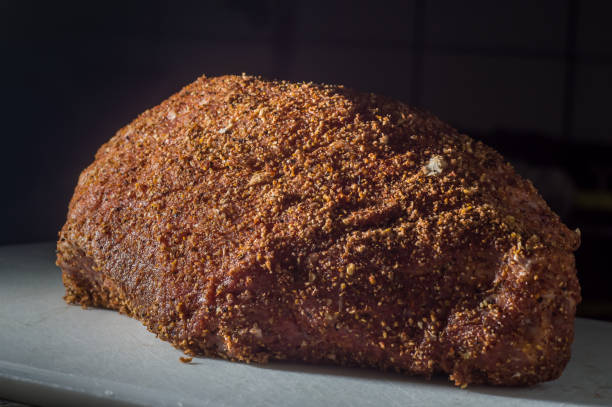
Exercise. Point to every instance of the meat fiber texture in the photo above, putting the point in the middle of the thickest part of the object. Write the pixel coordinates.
(258, 220)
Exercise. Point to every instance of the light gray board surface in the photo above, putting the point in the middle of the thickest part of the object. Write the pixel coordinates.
(52, 353)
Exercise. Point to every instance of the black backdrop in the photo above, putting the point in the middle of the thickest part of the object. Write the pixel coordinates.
(532, 79)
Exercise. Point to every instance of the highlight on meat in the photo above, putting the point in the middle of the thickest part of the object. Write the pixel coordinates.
(257, 220)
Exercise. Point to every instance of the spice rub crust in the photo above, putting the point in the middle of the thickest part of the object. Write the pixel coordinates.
(254, 220)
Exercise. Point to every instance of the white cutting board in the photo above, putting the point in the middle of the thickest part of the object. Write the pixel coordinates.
(56, 354)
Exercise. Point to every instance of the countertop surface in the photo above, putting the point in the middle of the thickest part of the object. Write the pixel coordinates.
(52, 353)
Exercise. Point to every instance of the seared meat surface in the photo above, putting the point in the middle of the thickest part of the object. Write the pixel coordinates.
(256, 220)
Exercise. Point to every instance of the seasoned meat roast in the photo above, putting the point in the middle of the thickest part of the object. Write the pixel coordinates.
(257, 220)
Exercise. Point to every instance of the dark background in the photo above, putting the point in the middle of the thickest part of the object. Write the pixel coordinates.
(531, 78)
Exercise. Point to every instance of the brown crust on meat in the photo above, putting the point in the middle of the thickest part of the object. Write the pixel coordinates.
(255, 220)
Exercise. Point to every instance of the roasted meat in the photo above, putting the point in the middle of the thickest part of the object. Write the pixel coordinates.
(256, 220)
